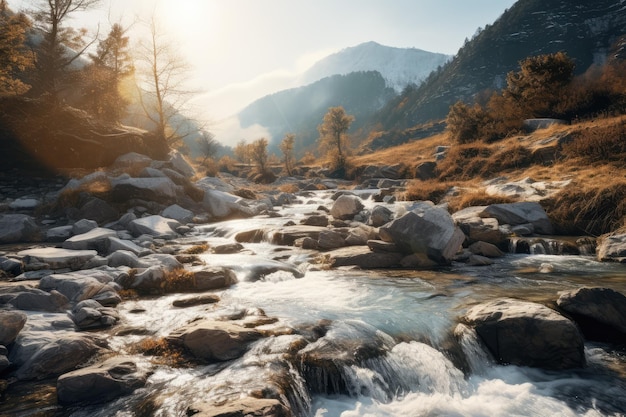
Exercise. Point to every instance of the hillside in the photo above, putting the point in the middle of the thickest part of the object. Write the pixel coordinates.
(587, 31)
(398, 66)
(300, 110)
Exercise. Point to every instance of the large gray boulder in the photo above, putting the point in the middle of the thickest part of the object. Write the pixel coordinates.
(363, 257)
(161, 190)
(57, 258)
(77, 287)
(11, 323)
(95, 239)
(102, 382)
(346, 207)
(178, 213)
(428, 230)
(214, 341)
(521, 213)
(16, 228)
(527, 334)
(26, 298)
(477, 228)
(599, 312)
(180, 164)
(222, 205)
(90, 314)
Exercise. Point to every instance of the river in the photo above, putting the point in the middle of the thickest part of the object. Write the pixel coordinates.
(411, 314)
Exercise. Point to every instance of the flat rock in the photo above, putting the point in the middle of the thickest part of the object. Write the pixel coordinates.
(520, 213)
(178, 213)
(155, 225)
(243, 407)
(363, 257)
(612, 248)
(287, 235)
(57, 258)
(161, 190)
(95, 239)
(34, 299)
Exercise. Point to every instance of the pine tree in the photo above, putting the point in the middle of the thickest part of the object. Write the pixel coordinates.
(14, 57)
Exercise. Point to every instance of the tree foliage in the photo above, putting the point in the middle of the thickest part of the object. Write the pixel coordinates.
(333, 140)
(286, 147)
(14, 57)
(258, 153)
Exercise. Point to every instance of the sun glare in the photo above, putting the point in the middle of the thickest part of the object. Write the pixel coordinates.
(190, 20)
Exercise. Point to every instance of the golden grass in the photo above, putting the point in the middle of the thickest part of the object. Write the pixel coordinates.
(477, 197)
(178, 280)
(196, 249)
(431, 190)
(165, 353)
(409, 154)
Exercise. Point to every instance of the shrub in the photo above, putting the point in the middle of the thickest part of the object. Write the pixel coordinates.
(463, 162)
(431, 190)
(594, 210)
(196, 249)
(178, 280)
(166, 352)
(606, 143)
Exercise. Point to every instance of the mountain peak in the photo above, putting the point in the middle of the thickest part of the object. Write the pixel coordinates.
(398, 66)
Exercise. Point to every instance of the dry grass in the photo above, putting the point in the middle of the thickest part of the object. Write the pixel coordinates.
(196, 249)
(165, 353)
(432, 190)
(178, 280)
(289, 188)
(599, 144)
(409, 154)
(476, 197)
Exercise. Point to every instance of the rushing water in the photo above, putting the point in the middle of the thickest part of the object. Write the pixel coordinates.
(412, 315)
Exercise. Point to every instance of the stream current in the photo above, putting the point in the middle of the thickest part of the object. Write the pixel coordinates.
(411, 313)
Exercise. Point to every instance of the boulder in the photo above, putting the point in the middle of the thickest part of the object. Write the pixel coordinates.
(41, 355)
(485, 249)
(316, 220)
(380, 216)
(11, 323)
(125, 258)
(11, 266)
(224, 205)
(427, 230)
(362, 257)
(329, 239)
(425, 171)
(520, 213)
(95, 239)
(214, 341)
(98, 210)
(155, 226)
(227, 248)
(115, 244)
(57, 258)
(213, 278)
(90, 314)
(102, 382)
(346, 207)
(76, 287)
(196, 300)
(478, 228)
(180, 164)
(149, 280)
(599, 312)
(59, 233)
(178, 213)
(242, 407)
(83, 226)
(612, 248)
(34, 299)
(527, 334)
(287, 235)
(17, 228)
(161, 190)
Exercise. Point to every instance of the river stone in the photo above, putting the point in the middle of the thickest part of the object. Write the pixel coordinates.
(213, 278)
(125, 258)
(329, 239)
(17, 228)
(95, 239)
(90, 314)
(11, 323)
(380, 216)
(363, 257)
(178, 213)
(115, 244)
(57, 258)
(242, 407)
(105, 381)
(214, 341)
(98, 210)
(316, 220)
(227, 248)
(180, 164)
(155, 225)
(134, 160)
(477, 228)
(521, 213)
(76, 287)
(84, 226)
(485, 249)
(196, 300)
(11, 266)
(41, 355)
(224, 205)
(346, 207)
(612, 248)
(34, 299)
(59, 233)
(287, 235)
(426, 229)
(527, 334)
(599, 312)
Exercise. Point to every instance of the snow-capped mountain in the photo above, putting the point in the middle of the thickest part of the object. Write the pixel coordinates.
(398, 66)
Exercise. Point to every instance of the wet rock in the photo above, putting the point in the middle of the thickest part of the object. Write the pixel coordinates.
(478, 260)
(95, 239)
(243, 407)
(17, 228)
(527, 334)
(41, 355)
(362, 257)
(196, 300)
(11, 323)
(224, 205)
(76, 287)
(33, 299)
(57, 258)
(100, 383)
(519, 214)
(599, 312)
(426, 229)
(316, 220)
(380, 215)
(346, 207)
(478, 228)
(289, 234)
(227, 248)
(155, 225)
(214, 341)
(329, 239)
(11, 266)
(213, 278)
(251, 236)
(149, 280)
(485, 249)
(90, 314)
(612, 248)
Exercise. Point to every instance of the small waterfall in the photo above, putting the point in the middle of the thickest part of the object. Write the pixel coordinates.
(550, 246)
(476, 354)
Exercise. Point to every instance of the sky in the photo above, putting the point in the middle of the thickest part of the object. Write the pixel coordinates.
(241, 50)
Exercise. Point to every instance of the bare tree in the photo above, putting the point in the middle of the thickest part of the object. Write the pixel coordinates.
(163, 94)
(207, 146)
(286, 147)
(61, 46)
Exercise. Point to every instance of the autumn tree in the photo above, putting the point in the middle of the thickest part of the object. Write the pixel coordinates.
(111, 64)
(333, 140)
(540, 83)
(163, 95)
(242, 152)
(14, 57)
(258, 153)
(286, 147)
(465, 123)
(61, 45)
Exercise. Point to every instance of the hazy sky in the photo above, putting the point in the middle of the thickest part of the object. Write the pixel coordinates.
(241, 50)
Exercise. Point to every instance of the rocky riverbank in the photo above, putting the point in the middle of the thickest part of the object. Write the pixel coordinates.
(75, 251)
